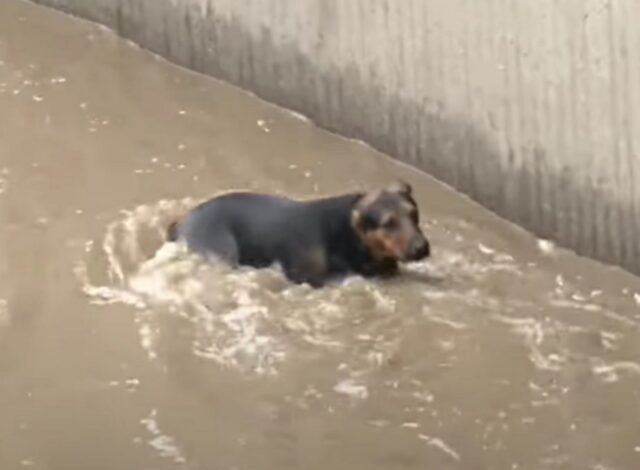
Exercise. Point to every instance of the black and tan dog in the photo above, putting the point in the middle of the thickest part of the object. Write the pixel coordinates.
(313, 241)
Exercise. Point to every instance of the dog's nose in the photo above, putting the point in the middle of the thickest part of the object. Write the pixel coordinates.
(420, 249)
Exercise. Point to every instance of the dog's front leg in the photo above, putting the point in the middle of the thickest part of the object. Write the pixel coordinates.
(308, 265)
(380, 268)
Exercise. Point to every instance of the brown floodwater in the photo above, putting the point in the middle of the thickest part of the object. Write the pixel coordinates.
(118, 351)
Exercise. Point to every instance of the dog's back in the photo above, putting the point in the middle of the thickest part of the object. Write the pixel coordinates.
(241, 228)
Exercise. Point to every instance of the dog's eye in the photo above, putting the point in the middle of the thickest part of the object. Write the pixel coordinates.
(368, 222)
(390, 223)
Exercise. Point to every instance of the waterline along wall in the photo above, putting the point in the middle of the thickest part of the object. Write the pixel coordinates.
(531, 108)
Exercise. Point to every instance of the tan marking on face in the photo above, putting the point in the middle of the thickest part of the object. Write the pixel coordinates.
(383, 246)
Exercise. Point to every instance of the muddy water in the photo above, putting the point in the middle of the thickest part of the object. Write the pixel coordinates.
(118, 351)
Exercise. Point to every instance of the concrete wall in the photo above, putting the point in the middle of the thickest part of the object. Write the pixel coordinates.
(530, 107)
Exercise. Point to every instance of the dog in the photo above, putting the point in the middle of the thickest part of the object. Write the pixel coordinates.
(313, 241)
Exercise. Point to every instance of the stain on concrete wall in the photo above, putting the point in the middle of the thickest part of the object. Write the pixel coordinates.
(531, 108)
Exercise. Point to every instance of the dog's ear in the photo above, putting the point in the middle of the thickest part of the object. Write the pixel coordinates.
(400, 187)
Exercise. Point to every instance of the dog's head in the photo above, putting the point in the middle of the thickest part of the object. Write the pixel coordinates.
(387, 222)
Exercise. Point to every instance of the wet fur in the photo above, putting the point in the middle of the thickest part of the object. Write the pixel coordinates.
(313, 241)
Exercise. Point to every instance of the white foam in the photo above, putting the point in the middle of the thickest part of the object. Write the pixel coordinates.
(352, 388)
(610, 371)
(441, 318)
(546, 246)
(4, 172)
(441, 445)
(165, 445)
(5, 318)
(533, 333)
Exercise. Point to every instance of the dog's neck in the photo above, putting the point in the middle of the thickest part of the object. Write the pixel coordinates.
(336, 214)
(343, 237)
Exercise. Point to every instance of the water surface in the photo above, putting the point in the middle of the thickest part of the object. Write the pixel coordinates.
(118, 351)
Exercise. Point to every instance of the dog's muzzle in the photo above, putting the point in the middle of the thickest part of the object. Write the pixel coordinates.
(419, 249)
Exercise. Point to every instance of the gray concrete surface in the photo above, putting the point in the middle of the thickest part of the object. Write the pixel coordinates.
(528, 107)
